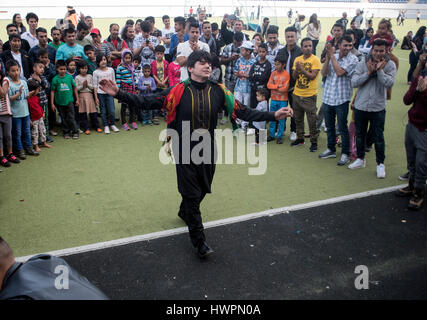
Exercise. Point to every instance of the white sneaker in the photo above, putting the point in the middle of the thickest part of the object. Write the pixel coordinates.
(106, 130)
(380, 171)
(293, 136)
(250, 132)
(114, 128)
(357, 164)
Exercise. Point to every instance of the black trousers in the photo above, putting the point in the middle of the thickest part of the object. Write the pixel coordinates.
(190, 211)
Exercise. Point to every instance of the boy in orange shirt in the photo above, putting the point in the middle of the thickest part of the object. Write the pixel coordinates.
(278, 84)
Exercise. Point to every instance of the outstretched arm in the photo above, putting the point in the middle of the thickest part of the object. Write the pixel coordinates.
(150, 102)
(249, 114)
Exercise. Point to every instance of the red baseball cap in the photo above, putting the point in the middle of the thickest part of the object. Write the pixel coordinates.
(95, 31)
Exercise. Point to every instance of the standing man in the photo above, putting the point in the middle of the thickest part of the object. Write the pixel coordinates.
(144, 44)
(179, 36)
(115, 44)
(290, 52)
(18, 54)
(56, 38)
(306, 71)
(337, 32)
(12, 29)
(416, 141)
(358, 34)
(167, 33)
(82, 33)
(208, 38)
(229, 56)
(338, 69)
(273, 45)
(358, 18)
(70, 48)
(262, 29)
(185, 49)
(31, 35)
(343, 20)
(372, 78)
(42, 38)
(185, 103)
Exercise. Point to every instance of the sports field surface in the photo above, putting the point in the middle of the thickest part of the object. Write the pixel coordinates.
(104, 187)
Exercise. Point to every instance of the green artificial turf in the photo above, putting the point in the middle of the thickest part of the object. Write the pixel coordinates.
(104, 187)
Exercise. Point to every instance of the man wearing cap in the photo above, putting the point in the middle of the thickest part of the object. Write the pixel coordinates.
(186, 48)
(242, 90)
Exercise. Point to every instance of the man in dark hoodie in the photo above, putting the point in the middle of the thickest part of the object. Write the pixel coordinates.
(290, 52)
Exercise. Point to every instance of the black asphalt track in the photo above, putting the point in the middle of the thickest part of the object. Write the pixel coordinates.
(306, 254)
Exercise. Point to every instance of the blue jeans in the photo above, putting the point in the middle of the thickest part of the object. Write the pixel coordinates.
(106, 106)
(21, 132)
(274, 106)
(376, 120)
(341, 112)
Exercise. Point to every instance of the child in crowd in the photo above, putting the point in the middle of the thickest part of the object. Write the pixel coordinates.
(38, 71)
(71, 67)
(5, 123)
(38, 130)
(125, 79)
(159, 67)
(278, 84)
(260, 73)
(71, 70)
(174, 71)
(104, 100)
(242, 90)
(18, 94)
(91, 58)
(146, 87)
(62, 89)
(261, 97)
(48, 74)
(84, 84)
(137, 69)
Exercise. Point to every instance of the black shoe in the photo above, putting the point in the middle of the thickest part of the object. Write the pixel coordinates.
(297, 142)
(203, 250)
(21, 154)
(279, 141)
(49, 139)
(31, 152)
(270, 139)
(417, 199)
(313, 147)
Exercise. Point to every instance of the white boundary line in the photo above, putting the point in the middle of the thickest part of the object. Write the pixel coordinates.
(212, 224)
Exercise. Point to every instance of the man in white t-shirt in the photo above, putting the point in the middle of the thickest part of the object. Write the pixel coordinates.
(167, 32)
(31, 35)
(186, 48)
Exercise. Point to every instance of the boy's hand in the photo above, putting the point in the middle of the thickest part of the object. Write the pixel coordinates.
(53, 108)
(20, 89)
(282, 113)
(77, 103)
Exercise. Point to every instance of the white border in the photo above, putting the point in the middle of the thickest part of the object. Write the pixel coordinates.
(212, 224)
